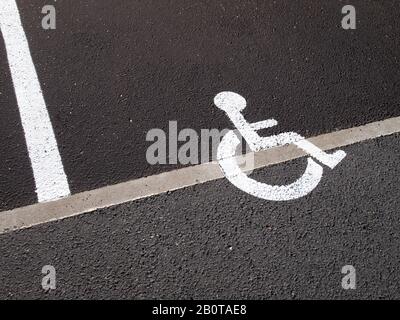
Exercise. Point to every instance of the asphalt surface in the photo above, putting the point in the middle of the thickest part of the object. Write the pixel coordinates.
(213, 241)
(16, 180)
(113, 70)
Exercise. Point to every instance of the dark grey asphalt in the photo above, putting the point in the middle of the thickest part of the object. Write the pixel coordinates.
(212, 241)
(112, 70)
(16, 179)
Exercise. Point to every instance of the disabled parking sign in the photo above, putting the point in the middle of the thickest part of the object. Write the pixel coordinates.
(233, 104)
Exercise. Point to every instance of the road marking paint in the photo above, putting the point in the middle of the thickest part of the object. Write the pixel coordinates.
(89, 201)
(233, 104)
(300, 188)
(50, 179)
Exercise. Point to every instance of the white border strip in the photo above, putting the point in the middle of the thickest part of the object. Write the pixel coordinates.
(50, 179)
(177, 179)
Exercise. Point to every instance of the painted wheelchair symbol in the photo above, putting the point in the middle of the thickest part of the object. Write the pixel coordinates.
(232, 104)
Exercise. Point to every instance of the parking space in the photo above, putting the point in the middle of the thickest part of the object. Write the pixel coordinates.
(113, 70)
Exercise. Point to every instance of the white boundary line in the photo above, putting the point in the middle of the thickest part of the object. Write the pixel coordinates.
(50, 179)
(84, 202)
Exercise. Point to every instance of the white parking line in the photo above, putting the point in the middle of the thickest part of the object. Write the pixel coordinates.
(177, 179)
(50, 179)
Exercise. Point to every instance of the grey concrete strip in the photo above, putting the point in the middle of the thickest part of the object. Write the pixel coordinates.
(145, 187)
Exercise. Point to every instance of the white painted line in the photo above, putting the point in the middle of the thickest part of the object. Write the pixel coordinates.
(177, 179)
(51, 181)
